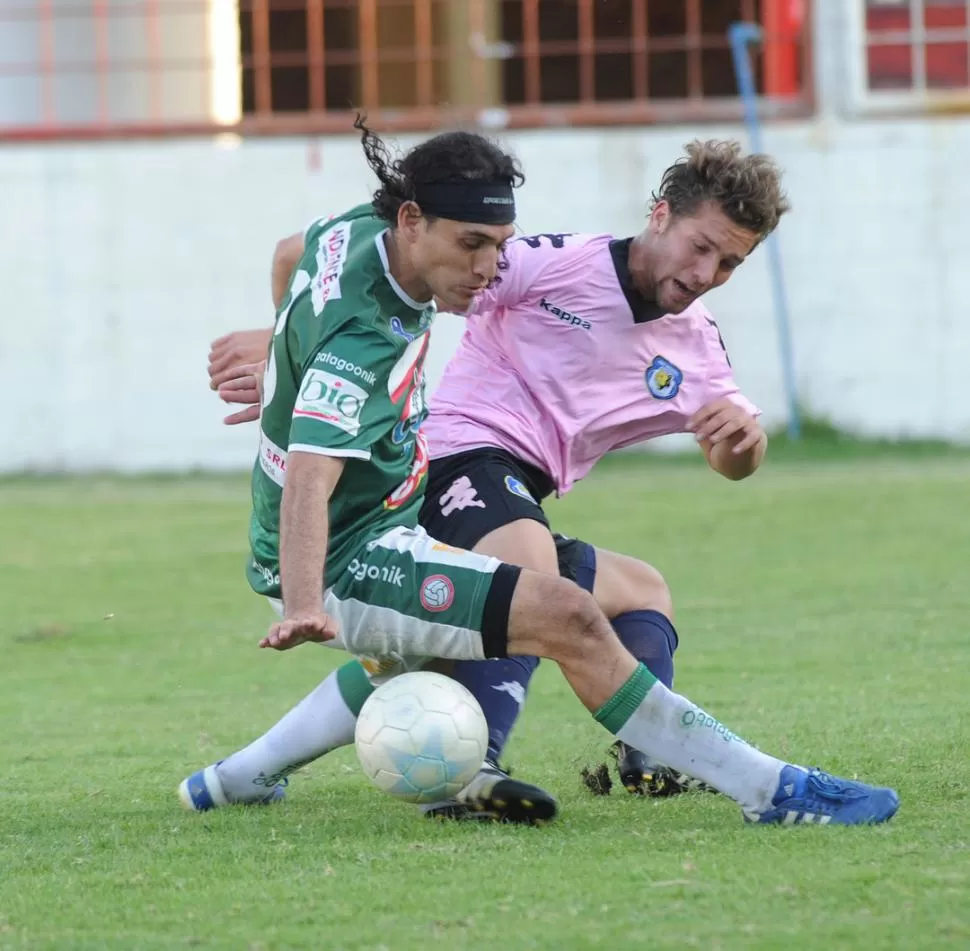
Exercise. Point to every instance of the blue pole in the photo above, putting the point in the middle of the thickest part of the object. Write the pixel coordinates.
(741, 36)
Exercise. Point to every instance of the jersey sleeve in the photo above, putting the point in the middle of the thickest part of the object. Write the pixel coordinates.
(313, 229)
(524, 260)
(316, 227)
(719, 381)
(344, 404)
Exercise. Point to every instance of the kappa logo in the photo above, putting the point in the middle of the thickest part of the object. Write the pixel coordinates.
(513, 688)
(461, 494)
(564, 315)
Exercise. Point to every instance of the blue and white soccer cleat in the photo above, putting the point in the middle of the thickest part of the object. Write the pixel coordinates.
(812, 796)
(203, 791)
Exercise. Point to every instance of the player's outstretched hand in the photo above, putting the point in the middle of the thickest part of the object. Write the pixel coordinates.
(720, 420)
(293, 631)
(243, 385)
(240, 348)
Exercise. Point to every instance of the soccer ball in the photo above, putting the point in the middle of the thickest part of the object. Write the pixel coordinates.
(421, 737)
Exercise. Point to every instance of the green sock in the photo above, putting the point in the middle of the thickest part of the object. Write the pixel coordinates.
(619, 708)
(670, 729)
(355, 686)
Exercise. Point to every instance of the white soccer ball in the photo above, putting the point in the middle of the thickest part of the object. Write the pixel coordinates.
(421, 737)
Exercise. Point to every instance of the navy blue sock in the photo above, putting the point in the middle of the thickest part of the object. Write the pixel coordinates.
(500, 687)
(651, 638)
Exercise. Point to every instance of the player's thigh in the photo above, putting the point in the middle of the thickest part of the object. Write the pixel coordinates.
(407, 595)
(619, 582)
(473, 494)
(624, 584)
(524, 542)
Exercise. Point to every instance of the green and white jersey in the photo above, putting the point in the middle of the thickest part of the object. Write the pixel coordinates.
(344, 377)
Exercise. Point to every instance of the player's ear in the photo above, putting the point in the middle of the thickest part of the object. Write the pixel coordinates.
(409, 220)
(659, 217)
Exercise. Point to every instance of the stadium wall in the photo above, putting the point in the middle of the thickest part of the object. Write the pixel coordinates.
(122, 261)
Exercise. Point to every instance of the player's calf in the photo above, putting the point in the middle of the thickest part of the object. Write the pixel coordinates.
(553, 619)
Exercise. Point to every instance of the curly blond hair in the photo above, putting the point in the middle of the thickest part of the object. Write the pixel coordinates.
(747, 188)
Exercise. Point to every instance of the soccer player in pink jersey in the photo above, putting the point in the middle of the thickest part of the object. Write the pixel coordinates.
(583, 344)
(586, 344)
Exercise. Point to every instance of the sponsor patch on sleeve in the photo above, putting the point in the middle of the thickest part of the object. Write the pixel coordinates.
(331, 399)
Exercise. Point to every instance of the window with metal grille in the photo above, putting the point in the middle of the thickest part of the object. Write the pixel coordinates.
(911, 51)
(143, 66)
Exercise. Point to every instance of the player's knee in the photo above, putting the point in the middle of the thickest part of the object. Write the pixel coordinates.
(555, 618)
(582, 626)
(639, 587)
(654, 594)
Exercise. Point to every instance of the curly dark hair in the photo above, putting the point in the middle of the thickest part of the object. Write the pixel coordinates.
(444, 159)
(747, 188)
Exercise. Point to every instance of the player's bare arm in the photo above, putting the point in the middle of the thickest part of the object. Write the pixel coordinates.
(286, 257)
(732, 440)
(304, 529)
(229, 353)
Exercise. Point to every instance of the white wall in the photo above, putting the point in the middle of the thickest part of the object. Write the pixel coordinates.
(120, 262)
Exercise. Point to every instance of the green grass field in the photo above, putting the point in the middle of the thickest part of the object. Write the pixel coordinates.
(822, 608)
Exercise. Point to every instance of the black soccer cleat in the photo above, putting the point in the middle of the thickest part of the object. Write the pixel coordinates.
(494, 796)
(641, 777)
(634, 769)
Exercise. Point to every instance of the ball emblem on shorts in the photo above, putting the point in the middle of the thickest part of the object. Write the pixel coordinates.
(437, 593)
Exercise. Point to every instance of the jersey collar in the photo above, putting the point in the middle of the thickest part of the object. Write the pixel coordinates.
(410, 301)
(641, 308)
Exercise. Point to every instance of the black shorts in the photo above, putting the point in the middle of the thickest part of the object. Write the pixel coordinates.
(473, 493)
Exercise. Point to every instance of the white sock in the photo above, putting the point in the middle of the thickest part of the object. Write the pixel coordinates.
(671, 729)
(319, 723)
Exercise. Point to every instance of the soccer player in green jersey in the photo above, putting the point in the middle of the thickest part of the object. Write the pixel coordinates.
(338, 485)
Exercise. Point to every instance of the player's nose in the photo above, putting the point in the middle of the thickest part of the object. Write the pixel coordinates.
(485, 265)
(703, 277)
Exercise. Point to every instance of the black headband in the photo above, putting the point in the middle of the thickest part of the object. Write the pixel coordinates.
(484, 203)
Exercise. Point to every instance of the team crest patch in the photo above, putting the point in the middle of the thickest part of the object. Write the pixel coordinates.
(663, 379)
(437, 593)
(516, 487)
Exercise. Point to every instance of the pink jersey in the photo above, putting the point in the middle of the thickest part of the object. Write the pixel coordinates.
(563, 361)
